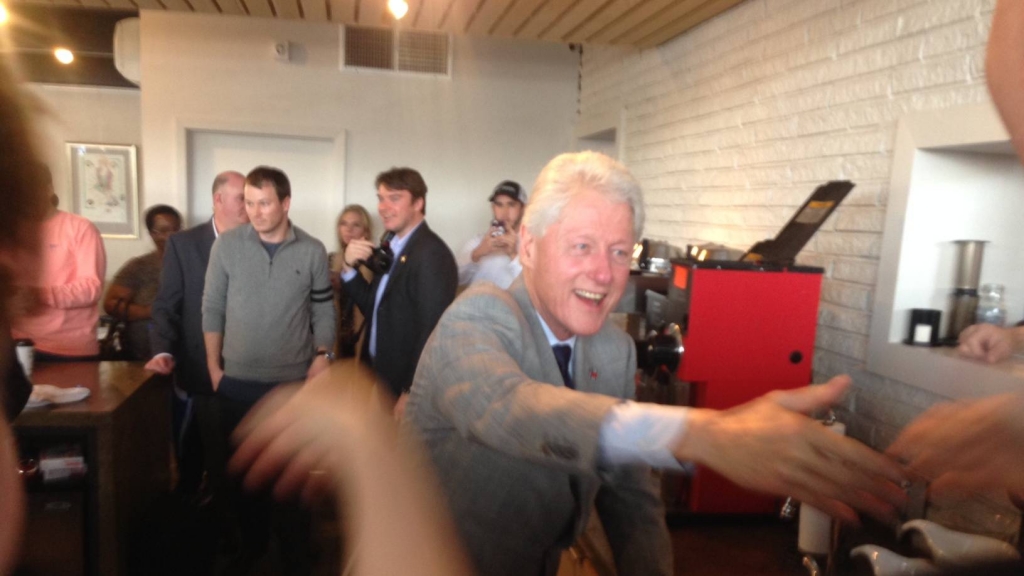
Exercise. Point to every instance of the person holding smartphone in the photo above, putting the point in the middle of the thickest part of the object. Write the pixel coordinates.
(493, 255)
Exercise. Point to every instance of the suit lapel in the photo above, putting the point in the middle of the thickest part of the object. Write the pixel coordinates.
(548, 364)
(206, 239)
(584, 373)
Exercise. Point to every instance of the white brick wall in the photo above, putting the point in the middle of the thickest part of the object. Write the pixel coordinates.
(730, 126)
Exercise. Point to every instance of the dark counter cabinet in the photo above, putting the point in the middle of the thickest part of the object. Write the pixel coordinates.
(82, 525)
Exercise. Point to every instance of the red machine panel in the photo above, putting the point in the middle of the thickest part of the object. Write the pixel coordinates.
(749, 330)
(750, 325)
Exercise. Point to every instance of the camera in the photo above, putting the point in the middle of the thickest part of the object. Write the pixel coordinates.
(382, 257)
(497, 227)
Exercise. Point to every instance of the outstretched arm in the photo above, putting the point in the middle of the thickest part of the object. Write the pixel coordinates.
(770, 445)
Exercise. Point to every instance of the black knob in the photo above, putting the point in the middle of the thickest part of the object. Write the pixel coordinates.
(796, 357)
(664, 349)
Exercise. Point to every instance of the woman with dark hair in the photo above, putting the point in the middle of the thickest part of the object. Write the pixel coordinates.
(353, 222)
(131, 294)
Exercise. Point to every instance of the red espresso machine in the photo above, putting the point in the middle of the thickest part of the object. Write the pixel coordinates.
(738, 330)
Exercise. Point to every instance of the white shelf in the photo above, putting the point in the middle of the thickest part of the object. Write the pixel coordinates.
(954, 177)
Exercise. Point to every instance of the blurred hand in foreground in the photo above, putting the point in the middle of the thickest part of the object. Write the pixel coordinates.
(770, 445)
(337, 434)
(967, 446)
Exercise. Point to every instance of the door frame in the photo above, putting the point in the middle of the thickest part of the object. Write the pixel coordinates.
(187, 125)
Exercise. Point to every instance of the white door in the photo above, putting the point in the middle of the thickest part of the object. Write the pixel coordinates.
(310, 165)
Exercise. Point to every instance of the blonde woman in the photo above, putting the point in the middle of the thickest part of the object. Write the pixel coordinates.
(353, 222)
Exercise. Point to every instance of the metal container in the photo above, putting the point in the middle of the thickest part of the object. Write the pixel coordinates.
(968, 269)
(965, 292)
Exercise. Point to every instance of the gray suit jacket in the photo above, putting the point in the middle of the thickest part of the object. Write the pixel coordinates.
(517, 452)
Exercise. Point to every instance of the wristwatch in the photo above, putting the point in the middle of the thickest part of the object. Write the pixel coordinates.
(330, 355)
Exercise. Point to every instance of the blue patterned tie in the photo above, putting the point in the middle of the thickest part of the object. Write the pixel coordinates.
(563, 354)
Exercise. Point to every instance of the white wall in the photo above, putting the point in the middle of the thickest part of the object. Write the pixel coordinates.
(93, 115)
(508, 108)
(308, 162)
(731, 125)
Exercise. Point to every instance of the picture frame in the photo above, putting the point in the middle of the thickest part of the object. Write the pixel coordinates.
(104, 186)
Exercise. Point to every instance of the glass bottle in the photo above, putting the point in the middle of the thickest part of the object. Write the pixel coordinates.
(991, 308)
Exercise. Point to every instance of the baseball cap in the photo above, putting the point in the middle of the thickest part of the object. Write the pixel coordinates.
(511, 189)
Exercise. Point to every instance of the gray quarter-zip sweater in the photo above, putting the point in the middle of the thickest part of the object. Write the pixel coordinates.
(273, 312)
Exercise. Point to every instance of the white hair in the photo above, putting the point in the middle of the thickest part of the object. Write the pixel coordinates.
(570, 174)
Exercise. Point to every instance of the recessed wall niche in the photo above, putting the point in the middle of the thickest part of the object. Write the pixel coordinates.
(954, 177)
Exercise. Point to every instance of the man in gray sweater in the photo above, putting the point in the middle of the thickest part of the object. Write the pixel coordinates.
(268, 318)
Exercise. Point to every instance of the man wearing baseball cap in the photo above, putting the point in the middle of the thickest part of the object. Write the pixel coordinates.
(493, 255)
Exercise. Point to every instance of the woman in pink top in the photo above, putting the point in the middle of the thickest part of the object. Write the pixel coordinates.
(60, 295)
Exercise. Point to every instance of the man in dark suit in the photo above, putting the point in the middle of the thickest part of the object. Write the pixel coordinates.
(176, 335)
(403, 304)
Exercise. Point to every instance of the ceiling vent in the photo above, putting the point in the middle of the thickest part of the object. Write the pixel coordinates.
(396, 50)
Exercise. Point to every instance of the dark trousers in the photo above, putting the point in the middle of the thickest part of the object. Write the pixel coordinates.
(258, 515)
(198, 442)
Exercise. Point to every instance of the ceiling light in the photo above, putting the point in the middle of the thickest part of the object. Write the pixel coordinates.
(4, 14)
(398, 8)
(63, 55)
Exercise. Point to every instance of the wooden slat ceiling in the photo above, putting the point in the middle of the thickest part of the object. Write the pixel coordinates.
(639, 23)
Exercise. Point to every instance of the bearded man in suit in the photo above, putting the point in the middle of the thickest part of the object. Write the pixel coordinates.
(522, 399)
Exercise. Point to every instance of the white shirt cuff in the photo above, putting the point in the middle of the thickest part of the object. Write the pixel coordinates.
(348, 274)
(642, 433)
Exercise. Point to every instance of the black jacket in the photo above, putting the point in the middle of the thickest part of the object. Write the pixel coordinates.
(422, 284)
(177, 326)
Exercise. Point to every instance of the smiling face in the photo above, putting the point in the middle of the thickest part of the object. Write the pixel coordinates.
(577, 271)
(399, 211)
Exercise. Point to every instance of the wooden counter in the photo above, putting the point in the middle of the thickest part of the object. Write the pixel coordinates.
(124, 429)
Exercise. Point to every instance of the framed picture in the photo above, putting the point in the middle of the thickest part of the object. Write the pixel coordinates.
(104, 187)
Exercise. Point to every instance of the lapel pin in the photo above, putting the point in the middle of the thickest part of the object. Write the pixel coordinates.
(593, 374)
(402, 259)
